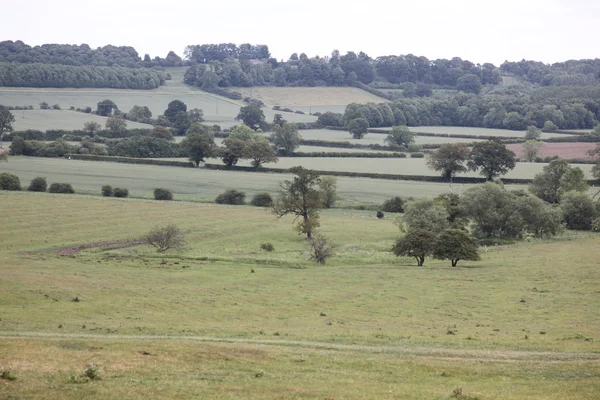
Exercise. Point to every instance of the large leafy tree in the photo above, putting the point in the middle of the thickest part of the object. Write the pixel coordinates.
(425, 214)
(6, 121)
(399, 136)
(106, 107)
(417, 243)
(252, 116)
(491, 158)
(301, 198)
(259, 151)
(199, 143)
(579, 210)
(285, 138)
(173, 108)
(455, 245)
(358, 127)
(116, 125)
(450, 159)
(556, 179)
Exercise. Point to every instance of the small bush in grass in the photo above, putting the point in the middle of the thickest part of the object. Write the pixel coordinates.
(417, 155)
(320, 249)
(380, 214)
(231, 196)
(262, 200)
(38, 185)
(107, 191)
(167, 238)
(6, 374)
(268, 247)
(163, 194)
(596, 225)
(121, 192)
(61, 188)
(90, 374)
(9, 182)
(395, 204)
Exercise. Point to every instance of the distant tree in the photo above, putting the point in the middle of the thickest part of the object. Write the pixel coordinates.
(259, 151)
(533, 133)
(139, 114)
(538, 217)
(3, 155)
(285, 138)
(424, 214)
(199, 143)
(161, 132)
(450, 159)
(181, 122)
(252, 116)
(417, 243)
(358, 127)
(195, 115)
(9, 182)
(116, 125)
(6, 121)
(399, 136)
(469, 83)
(395, 205)
(244, 132)
(531, 149)
(173, 108)
(595, 153)
(579, 210)
(455, 245)
(301, 198)
(328, 187)
(106, 108)
(329, 118)
(166, 238)
(492, 158)
(451, 203)
(91, 127)
(44, 106)
(549, 126)
(278, 120)
(231, 196)
(596, 131)
(232, 152)
(556, 179)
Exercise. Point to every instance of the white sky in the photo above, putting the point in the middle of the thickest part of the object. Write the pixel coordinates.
(479, 31)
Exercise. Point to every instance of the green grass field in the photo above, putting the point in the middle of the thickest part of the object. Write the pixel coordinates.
(224, 320)
(372, 138)
(201, 184)
(43, 120)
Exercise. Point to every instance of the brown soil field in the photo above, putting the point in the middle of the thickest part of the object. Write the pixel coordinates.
(563, 150)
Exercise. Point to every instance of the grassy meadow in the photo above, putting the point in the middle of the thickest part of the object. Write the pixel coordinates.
(43, 120)
(224, 320)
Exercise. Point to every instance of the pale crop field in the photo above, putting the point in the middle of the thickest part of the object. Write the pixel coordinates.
(465, 130)
(202, 184)
(300, 98)
(224, 320)
(43, 120)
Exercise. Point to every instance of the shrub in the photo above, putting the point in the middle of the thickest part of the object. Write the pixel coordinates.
(268, 247)
(395, 204)
(417, 155)
(380, 214)
(596, 225)
(9, 182)
(231, 196)
(121, 192)
(262, 200)
(163, 194)
(167, 238)
(320, 249)
(579, 210)
(38, 185)
(61, 188)
(107, 191)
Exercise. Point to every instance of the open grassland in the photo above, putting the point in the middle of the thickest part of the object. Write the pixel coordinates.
(563, 150)
(43, 120)
(300, 98)
(202, 184)
(520, 324)
(373, 138)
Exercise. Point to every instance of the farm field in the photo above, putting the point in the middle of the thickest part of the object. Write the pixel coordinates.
(372, 138)
(202, 324)
(201, 184)
(465, 130)
(563, 150)
(43, 120)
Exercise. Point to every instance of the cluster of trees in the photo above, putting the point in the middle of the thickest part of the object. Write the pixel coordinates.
(225, 66)
(507, 111)
(206, 53)
(568, 73)
(81, 55)
(51, 75)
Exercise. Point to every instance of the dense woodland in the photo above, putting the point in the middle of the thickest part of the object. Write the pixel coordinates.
(568, 73)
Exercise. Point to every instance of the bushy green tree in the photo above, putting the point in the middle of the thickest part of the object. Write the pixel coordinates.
(399, 137)
(106, 108)
(492, 158)
(199, 143)
(259, 151)
(531, 149)
(231, 196)
(532, 133)
(450, 159)
(173, 108)
(358, 127)
(556, 179)
(395, 205)
(91, 127)
(425, 214)
(579, 210)
(328, 188)
(417, 243)
(9, 182)
(116, 125)
(252, 116)
(38, 185)
(455, 245)
(285, 138)
(6, 120)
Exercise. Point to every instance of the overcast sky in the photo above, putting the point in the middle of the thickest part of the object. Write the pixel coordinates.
(477, 30)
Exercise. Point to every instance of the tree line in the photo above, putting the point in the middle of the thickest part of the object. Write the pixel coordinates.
(568, 73)
(48, 75)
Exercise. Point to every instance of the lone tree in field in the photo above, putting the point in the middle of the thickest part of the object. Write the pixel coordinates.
(450, 159)
(199, 143)
(106, 108)
(455, 245)
(358, 127)
(167, 238)
(285, 138)
(6, 120)
(91, 127)
(417, 243)
(252, 116)
(531, 148)
(399, 136)
(492, 158)
(259, 151)
(300, 197)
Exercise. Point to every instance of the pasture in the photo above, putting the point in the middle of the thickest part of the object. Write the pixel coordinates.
(225, 320)
(563, 150)
(43, 120)
(465, 130)
(373, 138)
